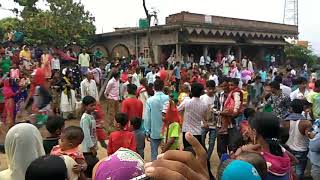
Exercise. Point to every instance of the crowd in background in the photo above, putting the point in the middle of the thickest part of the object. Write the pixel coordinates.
(263, 121)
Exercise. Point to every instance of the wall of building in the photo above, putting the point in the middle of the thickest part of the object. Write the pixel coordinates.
(191, 18)
(140, 42)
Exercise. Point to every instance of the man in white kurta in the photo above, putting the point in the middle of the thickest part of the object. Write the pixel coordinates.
(88, 87)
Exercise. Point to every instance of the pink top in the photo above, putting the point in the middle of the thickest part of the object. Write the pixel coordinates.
(277, 165)
(15, 73)
(112, 90)
(73, 153)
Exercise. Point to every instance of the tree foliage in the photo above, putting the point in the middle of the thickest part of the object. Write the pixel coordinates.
(300, 55)
(64, 22)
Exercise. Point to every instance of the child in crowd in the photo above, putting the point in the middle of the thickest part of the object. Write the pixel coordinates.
(256, 160)
(171, 127)
(139, 135)
(244, 125)
(233, 105)
(88, 126)
(121, 138)
(185, 91)
(54, 125)
(101, 134)
(71, 138)
(245, 94)
(237, 170)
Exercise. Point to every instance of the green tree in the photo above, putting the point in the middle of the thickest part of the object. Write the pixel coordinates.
(66, 21)
(8, 24)
(300, 55)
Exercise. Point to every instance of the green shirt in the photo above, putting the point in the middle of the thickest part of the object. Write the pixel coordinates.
(5, 64)
(174, 132)
(314, 98)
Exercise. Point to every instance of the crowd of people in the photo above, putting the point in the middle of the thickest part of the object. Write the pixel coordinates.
(264, 121)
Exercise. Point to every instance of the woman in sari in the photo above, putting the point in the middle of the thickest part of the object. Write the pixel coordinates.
(23, 144)
(46, 63)
(9, 105)
(68, 96)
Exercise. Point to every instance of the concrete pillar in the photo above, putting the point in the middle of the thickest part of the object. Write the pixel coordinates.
(261, 55)
(228, 50)
(239, 53)
(178, 52)
(205, 50)
(158, 52)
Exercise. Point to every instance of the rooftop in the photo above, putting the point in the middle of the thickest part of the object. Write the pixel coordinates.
(200, 23)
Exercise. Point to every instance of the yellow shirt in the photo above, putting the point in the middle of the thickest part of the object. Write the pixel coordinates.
(182, 96)
(25, 55)
(245, 97)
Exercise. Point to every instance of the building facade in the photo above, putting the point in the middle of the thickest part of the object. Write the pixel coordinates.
(186, 34)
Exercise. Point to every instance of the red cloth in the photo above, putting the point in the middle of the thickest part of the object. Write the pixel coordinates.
(124, 77)
(15, 59)
(73, 153)
(64, 56)
(163, 75)
(118, 139)
(101, 134)
(38, 80)
(7, 90)
(230, 102)
(140, 90)
(172, 115)
(133, 107)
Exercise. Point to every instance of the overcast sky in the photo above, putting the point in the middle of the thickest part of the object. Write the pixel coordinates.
(119, 13)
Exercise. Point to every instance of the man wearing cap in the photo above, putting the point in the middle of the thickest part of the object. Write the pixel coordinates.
(88, 87)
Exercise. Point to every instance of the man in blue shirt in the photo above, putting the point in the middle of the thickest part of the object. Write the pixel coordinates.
(176, 73)
(153, 117)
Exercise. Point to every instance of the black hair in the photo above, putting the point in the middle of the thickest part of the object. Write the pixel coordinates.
(278, 79)
(258, 78)
(255, 159)
(211, 84)
(235, 81)
(54, 123)
(122, 119)
(73, 134)
(306, 103)
(196, 90)
(297, 106)
(48, 168)
(136, 123)
(249, 112)
(116, 75)
(143, 81)
(222, 167)
(158, 85)
(224, 79)
(275, 85)
(302, 80)
(88, 100)
(267, 125)
(132, 89)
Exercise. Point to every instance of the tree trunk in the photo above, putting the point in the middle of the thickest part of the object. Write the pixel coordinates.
(150, 45)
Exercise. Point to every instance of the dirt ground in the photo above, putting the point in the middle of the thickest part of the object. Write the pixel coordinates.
(101, 152)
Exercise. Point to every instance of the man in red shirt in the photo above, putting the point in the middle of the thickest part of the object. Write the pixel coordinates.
(132, 106)
(121, 137)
